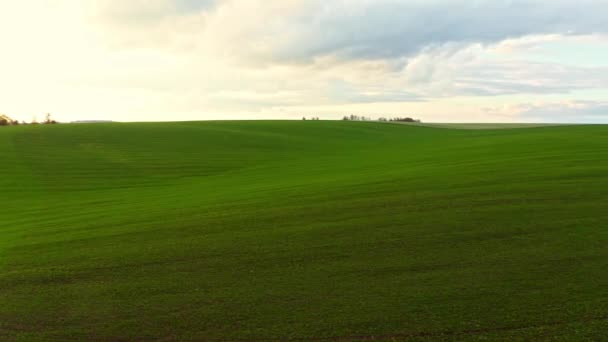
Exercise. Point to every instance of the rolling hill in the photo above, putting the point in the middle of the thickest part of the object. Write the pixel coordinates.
(272, 230)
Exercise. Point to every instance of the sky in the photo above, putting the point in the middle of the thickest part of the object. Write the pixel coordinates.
(436, 60)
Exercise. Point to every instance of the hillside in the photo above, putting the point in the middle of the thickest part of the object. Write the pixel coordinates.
(275, 230)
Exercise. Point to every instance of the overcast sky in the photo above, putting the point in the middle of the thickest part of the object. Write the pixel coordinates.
(438, 60)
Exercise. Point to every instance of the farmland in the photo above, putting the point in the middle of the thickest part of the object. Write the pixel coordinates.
(322, 230)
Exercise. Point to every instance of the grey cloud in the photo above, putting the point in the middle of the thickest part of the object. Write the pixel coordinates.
(392, 28)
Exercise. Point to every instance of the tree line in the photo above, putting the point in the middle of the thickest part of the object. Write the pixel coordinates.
(353, 117)
(5, 120)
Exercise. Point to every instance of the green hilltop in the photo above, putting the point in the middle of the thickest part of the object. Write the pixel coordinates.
(320, 230)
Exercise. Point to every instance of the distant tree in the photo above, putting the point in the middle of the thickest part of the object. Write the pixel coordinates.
(304, 118)
(406, 119)
(49, 120)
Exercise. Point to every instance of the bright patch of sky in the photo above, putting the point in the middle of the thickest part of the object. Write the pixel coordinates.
(572, 53)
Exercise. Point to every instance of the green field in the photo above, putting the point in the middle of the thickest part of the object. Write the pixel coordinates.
(480, 125)
(317, 230)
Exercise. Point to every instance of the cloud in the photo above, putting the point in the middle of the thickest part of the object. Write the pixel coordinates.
(565, 111)
(389, 29)
(300, 30)
(242, 58)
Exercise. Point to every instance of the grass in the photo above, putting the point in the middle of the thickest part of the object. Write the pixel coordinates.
(481, 125)
(301, 230)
